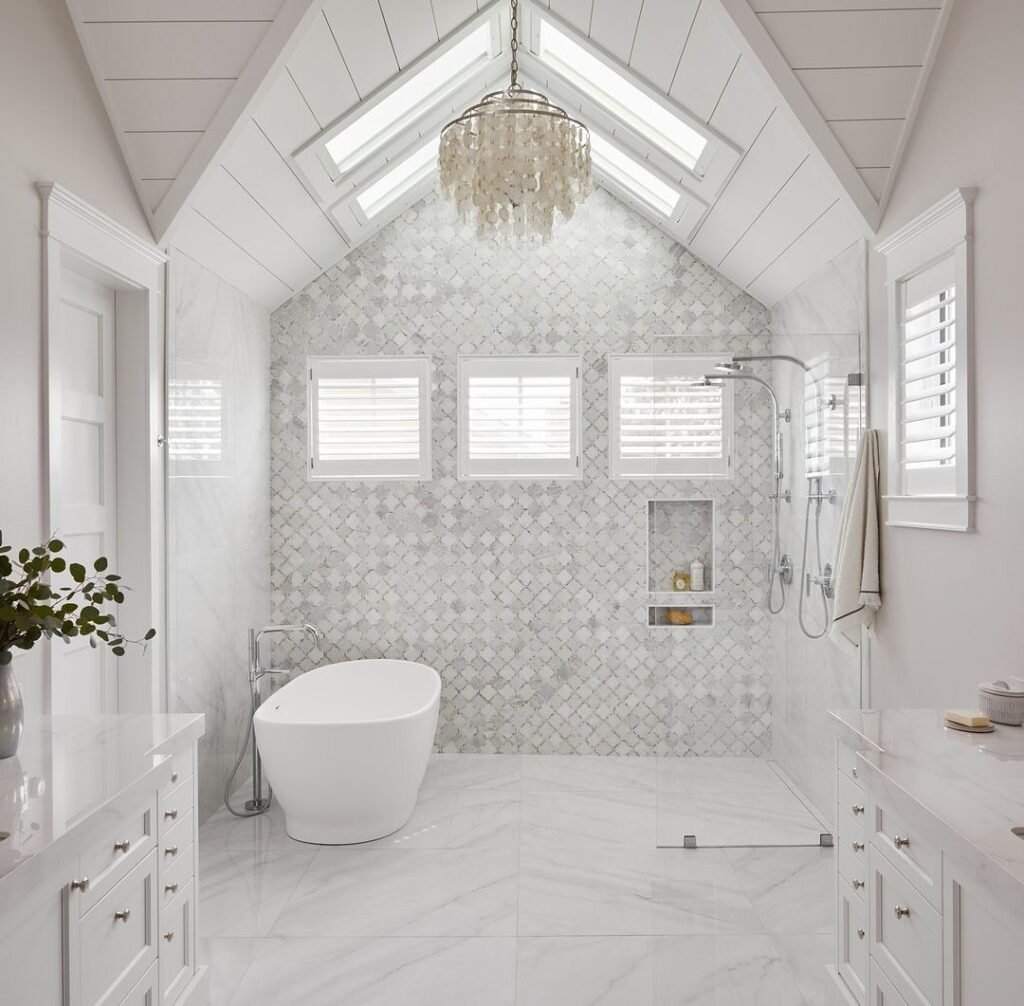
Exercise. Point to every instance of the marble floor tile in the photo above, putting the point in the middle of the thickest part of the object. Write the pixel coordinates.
(793, 890)
(227, 961)
(588, 819)
(388, 972)
(689, 775)
(806, 957)
(485, 819)
(354, 892)
(472, 771)
(587, 773)
(654, 971)
(242, 891)
(265, 831)
(428, 828)
(581, 892)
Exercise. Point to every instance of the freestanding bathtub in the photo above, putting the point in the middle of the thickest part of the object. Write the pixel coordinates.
(346, 746)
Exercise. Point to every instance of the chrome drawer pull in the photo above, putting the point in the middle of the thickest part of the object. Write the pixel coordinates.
(80, 885)
(854, 771)
(174, 777)
(900, 912)
(857, 808)
(170, 888)
(900, 842)
(858, 884)
(860, 934)
(857, 846)
(172, 814)
(122, 846)
(171, 850)
(122, 916)
(169, 936)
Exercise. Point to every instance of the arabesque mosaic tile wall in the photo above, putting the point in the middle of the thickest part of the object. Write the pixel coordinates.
(528, 597)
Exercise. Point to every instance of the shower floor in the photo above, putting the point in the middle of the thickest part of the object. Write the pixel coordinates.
(532, 881)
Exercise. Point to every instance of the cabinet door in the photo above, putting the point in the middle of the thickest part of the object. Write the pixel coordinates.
(176, 946)
(852, 939)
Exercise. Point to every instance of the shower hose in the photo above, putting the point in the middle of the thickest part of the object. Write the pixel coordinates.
(803, 571)
(249, 736)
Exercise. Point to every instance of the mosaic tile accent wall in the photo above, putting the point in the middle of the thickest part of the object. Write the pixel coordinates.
(528, 597)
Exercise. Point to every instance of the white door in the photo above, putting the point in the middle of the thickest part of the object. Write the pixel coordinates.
(84, 490)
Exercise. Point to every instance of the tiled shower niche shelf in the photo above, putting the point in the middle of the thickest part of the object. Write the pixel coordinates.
(678, 533)
(703, 616)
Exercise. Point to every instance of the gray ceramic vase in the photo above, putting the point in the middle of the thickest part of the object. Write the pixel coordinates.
(12, 712)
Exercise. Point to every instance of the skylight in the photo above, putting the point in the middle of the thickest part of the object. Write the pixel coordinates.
(398, 180)
(389, 116)
(633, 176)
(619, 96)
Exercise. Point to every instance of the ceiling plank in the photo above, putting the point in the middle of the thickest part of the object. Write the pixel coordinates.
(797, 105)
(660, 36)
(861, 92)
(875, 179)
(154, 190)
(180, 10)
(744, 108)
(613, 26)
(161, 155)
(285, 117)
(166, 104)
(321, 75)
(449, 14)
(707, 63)
(871, 143)
(410, 23)
(766, 6)
(363, 39)
(574, 12)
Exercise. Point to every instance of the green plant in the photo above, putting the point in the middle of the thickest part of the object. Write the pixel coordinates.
(32, 607)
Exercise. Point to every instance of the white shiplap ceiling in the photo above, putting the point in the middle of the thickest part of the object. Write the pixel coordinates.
(810, 147)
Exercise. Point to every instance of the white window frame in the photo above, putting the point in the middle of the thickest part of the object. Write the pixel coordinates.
(526, 364)
(418, 469)
(943, 232)
(688, 365)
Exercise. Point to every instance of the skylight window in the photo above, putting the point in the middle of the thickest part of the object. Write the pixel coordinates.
(634, 177)
(619, 96)
(399, 109)
(399, 180)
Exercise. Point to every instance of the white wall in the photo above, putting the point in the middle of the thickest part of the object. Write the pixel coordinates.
(951, 612)
(54, 128)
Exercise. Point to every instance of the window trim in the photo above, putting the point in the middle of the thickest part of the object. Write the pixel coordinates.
(945, 231)
(538, 363)
(378, 469)
(695, 365)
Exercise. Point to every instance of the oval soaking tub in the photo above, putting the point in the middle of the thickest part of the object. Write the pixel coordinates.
(346, 746)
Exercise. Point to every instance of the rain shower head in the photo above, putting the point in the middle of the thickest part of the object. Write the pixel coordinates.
(730, 367)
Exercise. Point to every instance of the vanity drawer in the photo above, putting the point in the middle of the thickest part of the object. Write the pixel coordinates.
(882, 992)
(175, 875)
(124, 843)
(174, 805)
(852, 855)
(116, 939)
(175, 841)
(176, 942)
(853, 942)
(846, 761)
(916, 858)
(904, 930)
(147, 992)
(182, 768)
(851, 798)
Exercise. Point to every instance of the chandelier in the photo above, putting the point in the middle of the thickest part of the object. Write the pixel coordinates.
(510, 161)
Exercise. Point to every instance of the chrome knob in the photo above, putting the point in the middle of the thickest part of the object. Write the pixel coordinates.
(122, 916)
(857, 846)
(170, 888)
(857, 808)
(80, 885)
(123, 846)
(171, 850)
(174, 777)
(172, 814)
(900, 842)
(900, 912)
(169, 936)
(854, 771)
(858, 884)
(860, 934)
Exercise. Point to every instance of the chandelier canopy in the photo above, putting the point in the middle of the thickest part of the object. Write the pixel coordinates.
(510, 161)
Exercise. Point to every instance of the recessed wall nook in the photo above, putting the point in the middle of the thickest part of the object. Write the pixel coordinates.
(487, 491)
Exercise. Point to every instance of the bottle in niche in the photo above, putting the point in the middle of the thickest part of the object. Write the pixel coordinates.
(680, 580)
(696, 575)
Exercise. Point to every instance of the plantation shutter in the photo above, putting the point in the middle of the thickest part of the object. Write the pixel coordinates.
(664, 423)
(370, 417)
(928, 369)
(519, 416)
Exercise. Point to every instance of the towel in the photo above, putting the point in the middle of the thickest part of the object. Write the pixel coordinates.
(856, 584)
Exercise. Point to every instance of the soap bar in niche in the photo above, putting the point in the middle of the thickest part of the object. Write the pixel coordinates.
(967, 717)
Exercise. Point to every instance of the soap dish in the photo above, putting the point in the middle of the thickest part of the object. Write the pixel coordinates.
(969, 730)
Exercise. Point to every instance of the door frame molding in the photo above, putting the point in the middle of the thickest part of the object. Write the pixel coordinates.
(77, 236)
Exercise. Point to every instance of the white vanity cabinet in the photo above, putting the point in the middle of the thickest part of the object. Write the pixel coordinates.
(924, 917)
(102, 913)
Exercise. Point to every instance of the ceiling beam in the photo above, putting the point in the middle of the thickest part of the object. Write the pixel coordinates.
(760, 47)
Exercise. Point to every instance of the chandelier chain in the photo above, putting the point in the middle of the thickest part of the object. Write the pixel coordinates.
(514, 84)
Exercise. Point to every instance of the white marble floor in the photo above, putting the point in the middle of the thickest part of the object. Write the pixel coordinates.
(520, 881)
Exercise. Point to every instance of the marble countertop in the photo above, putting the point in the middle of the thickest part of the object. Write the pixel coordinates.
(69, 767)
(971, 785)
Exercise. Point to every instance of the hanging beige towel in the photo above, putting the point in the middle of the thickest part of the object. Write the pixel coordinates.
(857, 583)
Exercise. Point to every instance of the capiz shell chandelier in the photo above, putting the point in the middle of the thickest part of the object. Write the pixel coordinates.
(509, 162)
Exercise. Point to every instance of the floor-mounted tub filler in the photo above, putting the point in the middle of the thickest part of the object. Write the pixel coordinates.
(346, 747)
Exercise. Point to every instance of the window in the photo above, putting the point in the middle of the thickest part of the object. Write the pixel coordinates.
(634, 177)
(369, 417)
(519, 417)
(928, 266)
(196, 432)
(398, 180)
(663, 423)
(619, 96)
(389, 116)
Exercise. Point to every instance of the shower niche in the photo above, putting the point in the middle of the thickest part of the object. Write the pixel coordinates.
(679, 533)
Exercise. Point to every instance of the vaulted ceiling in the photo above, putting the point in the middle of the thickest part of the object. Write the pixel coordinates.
(222, 106)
